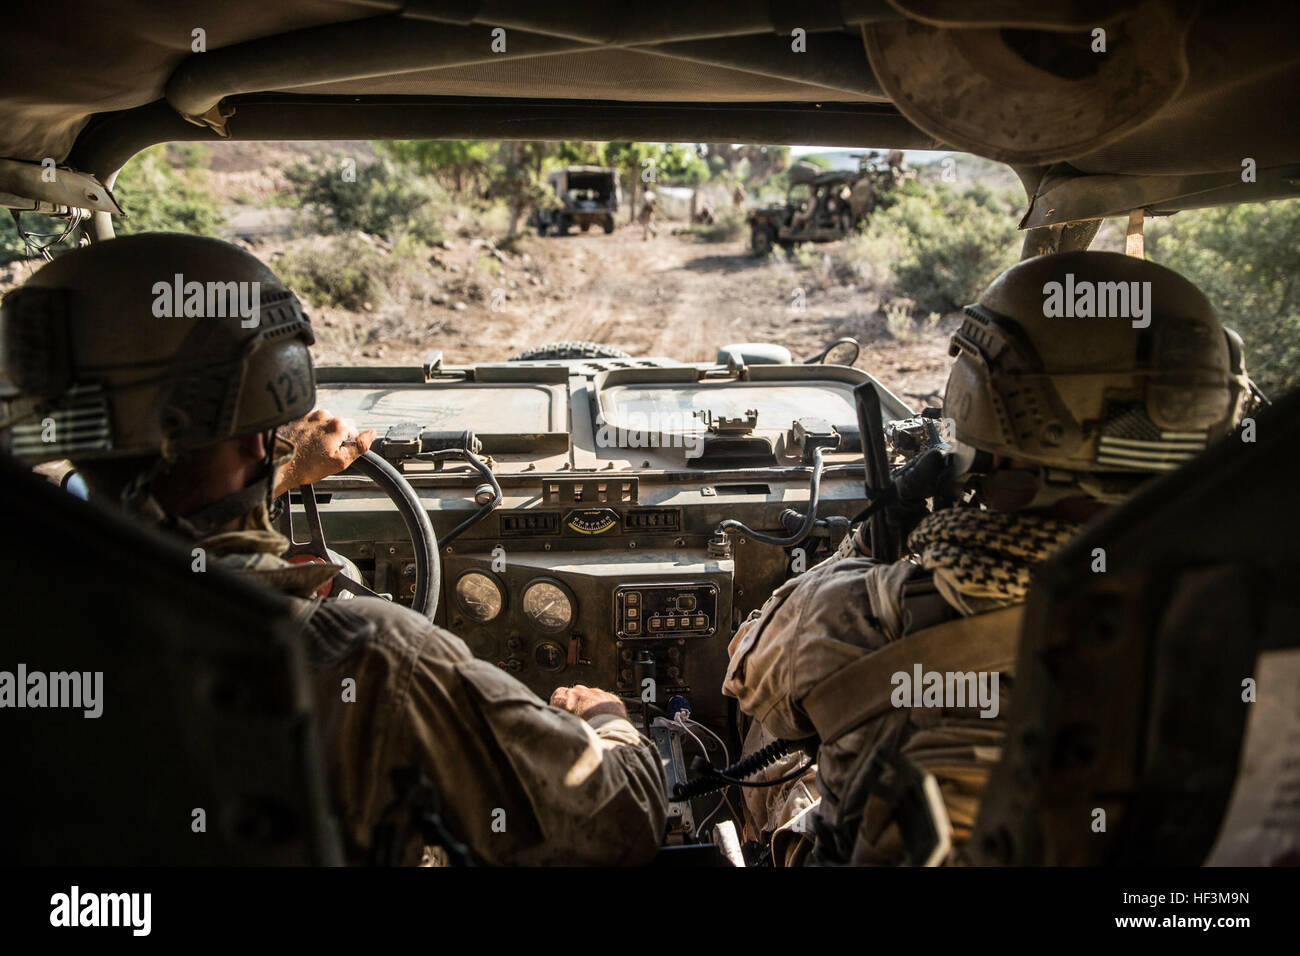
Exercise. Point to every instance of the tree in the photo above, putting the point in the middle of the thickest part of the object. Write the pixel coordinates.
(629, 159)
(454, 162)
(158, 198)
(382, 199)
(746, 164)
(679, 165)
(1243, 258)
(578, 153)
(517, 178)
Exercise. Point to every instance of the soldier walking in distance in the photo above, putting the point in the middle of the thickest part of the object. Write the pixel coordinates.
(646, 217)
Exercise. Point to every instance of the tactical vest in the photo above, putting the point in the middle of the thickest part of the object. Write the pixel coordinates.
(942, 641)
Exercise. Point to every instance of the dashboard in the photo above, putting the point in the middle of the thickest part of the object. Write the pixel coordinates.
(602, 563)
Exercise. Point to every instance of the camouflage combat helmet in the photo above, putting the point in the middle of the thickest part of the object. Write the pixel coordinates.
(150, 346)
(1099, 368)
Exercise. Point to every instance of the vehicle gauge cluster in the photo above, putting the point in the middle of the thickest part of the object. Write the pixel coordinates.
(547, 604)
(578, 618)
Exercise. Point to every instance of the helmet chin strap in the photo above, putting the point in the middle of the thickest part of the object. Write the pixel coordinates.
(138, 498)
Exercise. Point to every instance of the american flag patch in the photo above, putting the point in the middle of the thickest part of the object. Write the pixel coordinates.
(1131, 440)
(79, 425)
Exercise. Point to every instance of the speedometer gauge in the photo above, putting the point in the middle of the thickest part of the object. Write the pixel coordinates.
(479, 596)
(548, 605)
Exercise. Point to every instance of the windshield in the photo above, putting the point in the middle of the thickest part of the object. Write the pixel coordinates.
(682, 407)
(518, 409)
(489, 250)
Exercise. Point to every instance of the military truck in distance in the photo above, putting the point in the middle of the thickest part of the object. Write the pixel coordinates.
(588, 195)
(822, 206)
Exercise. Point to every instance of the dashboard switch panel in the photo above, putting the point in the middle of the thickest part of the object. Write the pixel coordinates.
(659, 611)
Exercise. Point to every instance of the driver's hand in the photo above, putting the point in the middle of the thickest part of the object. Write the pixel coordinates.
(587, 702)
(319, 449)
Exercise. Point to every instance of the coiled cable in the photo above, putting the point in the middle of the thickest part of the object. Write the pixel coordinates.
(714, 780)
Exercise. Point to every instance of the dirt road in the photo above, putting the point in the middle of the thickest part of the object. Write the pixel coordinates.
(668, 296)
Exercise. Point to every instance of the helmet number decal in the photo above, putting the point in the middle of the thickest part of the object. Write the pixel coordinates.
(287, 386)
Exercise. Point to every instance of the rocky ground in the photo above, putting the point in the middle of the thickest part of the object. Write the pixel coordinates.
(669, 295)
(480, 299)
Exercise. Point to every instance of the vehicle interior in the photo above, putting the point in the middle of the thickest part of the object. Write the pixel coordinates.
(604, 520)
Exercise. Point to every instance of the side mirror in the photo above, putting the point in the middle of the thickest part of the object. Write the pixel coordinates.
(824, 354)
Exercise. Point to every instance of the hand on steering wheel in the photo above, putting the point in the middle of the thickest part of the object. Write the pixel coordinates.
(324, 445)
(416, 519)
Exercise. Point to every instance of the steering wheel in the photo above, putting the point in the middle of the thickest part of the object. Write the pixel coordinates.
(399, 490)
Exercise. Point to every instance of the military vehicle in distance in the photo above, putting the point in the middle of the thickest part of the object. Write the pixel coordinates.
(822, 206)
(588, 195)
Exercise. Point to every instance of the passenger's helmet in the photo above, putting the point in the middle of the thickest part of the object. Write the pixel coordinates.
(1099, 368)
(153, 344)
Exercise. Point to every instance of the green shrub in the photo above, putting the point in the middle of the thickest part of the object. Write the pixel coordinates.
(808, 256)
(12, 246)
(903, 325)
(343, 271)
(1244, 259)
(728, 225)
(156, 195)
(159, 198)
(949, 247)
(383, 198)
(869, 257)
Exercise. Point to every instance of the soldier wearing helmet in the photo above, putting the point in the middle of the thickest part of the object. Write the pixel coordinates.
(646, 217)
(1078, 377)
(166, 366)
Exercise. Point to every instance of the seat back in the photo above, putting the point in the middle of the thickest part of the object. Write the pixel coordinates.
(204, 697)
(1134, 685)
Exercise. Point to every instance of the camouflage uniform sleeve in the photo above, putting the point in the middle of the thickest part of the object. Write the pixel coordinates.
(812, 626)
(534, 784)
(521, 782)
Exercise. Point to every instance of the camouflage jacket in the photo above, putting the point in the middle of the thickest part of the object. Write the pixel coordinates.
(812, 627)
(520, 782)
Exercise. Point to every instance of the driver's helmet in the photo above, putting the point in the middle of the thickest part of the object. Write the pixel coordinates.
(150, 346)
(1099, 368)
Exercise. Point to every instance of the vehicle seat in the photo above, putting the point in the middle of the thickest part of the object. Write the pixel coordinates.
(1129, 687)
(205, 702)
